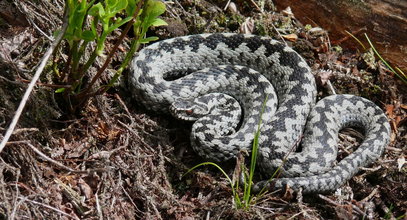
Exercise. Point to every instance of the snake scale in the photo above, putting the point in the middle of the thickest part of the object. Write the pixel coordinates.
(226, 82)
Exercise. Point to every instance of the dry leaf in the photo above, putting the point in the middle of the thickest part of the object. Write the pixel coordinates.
(344, 212)
(290, 37)
(390, 110)
(85, 188)
(247, 27)
(323, 76)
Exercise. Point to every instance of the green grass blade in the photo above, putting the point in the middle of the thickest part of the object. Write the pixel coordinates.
(400, 76)
(255, 147)
(248, 180)
(212, 164)
(234, 191)
(357, 39)
(401, 72)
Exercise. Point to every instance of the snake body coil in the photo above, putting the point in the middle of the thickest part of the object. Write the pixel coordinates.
(225, 81)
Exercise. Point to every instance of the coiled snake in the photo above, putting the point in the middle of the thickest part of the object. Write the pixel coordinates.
(224, 81)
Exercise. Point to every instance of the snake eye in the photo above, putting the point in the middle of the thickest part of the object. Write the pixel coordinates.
(189, 111)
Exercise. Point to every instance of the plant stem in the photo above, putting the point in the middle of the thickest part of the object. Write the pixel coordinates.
(85, 94)
(75, 60)
(133, 48)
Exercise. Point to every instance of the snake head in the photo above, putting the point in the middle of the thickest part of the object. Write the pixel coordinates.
(189, 109)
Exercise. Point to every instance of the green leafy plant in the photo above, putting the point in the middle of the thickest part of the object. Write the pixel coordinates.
(247, 198)
(397, 71)
(89, 26)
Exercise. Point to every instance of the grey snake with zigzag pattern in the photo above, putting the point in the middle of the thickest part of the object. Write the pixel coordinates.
(224, 81)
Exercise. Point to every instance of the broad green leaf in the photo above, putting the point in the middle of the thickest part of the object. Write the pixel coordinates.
(158, 22)
(148, 39)
(79, 15)
(76, 18)
(82, 7)
(131, 7)
(60, 90)
(118, 23)
(88, 35)
(122, 4)
(116, 6)
(152, 9)
(110, 4)
(97, 10)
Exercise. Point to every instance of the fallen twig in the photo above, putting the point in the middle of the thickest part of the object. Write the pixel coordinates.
(334, 203)
(58, 164)
(49, 207)
(34, 80)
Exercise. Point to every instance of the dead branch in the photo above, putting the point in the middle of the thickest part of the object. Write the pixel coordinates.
(34, 80)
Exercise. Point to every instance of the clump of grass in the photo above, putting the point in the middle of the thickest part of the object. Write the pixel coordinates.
(389, 215)
(397, 71)
(90, 23)
(247, 199)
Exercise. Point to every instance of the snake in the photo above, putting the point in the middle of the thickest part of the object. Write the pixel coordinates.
(233, 86)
